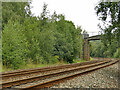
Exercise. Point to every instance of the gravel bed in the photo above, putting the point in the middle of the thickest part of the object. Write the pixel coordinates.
(51, 78)
(103, 78)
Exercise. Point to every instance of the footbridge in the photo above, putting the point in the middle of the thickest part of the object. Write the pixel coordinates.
(86, 46)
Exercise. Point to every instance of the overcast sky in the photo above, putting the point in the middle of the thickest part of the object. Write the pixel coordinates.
(81, 12)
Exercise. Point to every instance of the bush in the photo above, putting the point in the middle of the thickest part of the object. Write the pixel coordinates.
(117, 53)
(54, 60)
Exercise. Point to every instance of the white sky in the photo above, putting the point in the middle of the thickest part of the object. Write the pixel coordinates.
(81, 12)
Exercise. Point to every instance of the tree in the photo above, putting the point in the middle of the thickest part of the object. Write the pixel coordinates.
(13, 45)
(111, 29)
(15, 11)
(68, 39)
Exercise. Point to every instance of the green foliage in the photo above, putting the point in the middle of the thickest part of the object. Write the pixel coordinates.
(54, 60)
(117, 53)
(13, 44)
(38, 40)
(15, 10)
(99, 50)
(68, 40)
(109, 14)
(40, 43)
(78, 60)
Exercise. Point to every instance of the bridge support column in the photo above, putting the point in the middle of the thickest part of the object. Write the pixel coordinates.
(86, 48)
(86, 51)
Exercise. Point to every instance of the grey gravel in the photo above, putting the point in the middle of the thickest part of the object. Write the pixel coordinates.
(102, 78)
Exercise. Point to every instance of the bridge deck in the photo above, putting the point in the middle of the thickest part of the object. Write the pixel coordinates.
(97, 37)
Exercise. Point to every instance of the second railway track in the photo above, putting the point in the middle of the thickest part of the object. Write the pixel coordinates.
(43, 80)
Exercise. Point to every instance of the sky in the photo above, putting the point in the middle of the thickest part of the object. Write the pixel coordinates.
(80, 12)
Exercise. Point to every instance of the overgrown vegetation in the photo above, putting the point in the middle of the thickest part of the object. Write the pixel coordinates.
(46, 39)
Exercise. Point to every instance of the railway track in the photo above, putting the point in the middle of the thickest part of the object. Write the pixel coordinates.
(20, 72)
(49, 79)
(41, 70)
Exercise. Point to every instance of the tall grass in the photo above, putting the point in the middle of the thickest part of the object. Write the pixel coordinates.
(30, 65)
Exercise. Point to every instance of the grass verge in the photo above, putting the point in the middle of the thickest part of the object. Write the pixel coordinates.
(31, 65)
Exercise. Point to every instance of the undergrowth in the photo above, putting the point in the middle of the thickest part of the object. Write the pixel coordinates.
(30, 65)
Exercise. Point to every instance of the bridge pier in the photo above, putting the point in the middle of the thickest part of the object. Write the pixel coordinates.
(86, 47)
(86, 51)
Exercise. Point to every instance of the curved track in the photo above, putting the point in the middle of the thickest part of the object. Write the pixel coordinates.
(45, 69)
(57, 81)
(80, 69)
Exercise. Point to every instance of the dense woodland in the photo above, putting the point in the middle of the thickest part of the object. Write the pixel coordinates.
(44, 39)
(47, 38)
